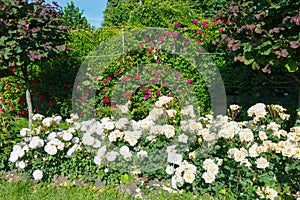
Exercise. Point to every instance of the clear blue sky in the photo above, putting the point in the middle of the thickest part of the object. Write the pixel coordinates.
(92, 9)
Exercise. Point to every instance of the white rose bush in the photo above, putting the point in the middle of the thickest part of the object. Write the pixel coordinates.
(48, 150)
(252, 159)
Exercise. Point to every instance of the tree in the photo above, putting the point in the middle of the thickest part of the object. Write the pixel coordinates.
(209, 7)
(30, 33)
(73, 18)
(148, 13)
(266, 36)
(117, 12)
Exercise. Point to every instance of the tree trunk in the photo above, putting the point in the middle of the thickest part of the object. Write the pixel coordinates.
(298, 95)
(298, 116)
(29, 103)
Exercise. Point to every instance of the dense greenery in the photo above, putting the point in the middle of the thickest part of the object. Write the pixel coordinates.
(30, 32)
(266, 37)
(73, 19)
(44, 49)
(148, 13)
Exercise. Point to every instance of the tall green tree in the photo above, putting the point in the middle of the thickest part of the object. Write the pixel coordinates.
(117, 12)
(73, 17)
(149, 13)
(30, 33)
(210, 7)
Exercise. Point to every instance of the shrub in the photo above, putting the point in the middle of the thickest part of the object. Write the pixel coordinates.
(206, 154)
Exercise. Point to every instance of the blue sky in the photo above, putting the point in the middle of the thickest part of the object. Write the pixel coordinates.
(92, 9)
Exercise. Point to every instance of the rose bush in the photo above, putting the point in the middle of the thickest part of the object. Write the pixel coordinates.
(252, 159)
(47, 150)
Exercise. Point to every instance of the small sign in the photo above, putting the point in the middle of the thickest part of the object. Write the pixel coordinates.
(174, 158)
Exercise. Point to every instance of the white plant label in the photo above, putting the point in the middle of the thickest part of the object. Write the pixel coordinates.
(174, 158)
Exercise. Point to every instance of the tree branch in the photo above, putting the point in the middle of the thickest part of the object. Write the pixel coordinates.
(275, 82)
(296, 78)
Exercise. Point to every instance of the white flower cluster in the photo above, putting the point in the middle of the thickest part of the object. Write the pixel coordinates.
(38, 117)
(49, 142)
(48, 121)
(190, 126)
(163, 100)
(184, 173)
(246, 135)
(229, 130)
(188, 111)
(125, 152)
(132, 137)
(258, 111)
(25, 132)
(98, 134)
(240, 155)
(103, 134)
(18, 152)
(279, 111)
(211, 168)
(234, 107)
(266, 193)
(221, 127)
(123, 108)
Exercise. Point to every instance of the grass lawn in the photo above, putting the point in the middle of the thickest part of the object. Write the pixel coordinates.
(29, 190)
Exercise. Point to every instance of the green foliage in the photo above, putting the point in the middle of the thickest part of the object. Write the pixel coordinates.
(28, 35)
(52, 88)
(148, 13)
(143, 98)
(116, 13)
(12, 96)
(209, 8)
(163, 14)
(9, 136)
(73, 18)
(30, 32)
(266, 37)
(83, 42)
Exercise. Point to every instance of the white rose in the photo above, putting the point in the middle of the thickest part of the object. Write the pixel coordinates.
(50, 149)
(37, 175)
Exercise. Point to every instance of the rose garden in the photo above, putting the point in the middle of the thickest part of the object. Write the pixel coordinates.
(202, 103)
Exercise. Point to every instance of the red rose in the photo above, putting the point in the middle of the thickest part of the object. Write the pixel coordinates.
(51, 102)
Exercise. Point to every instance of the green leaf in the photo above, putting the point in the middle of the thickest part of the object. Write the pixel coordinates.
(12, 42)
(275, 6)
(125, 179)
(247, 47)
(255, 66)
(18, 49)
(291, 65)
(2, 40)
(266, 43)
(7, 53)
(267, 52)
(248, 62)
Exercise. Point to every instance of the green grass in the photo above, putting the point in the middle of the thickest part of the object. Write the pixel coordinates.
(30, 190)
